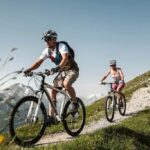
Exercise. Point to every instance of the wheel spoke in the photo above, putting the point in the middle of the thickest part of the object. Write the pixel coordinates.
(122, 105)
(27, 130)
(74, 121)
(109, 108)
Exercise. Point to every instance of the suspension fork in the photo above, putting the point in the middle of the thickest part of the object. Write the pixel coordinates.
(59, 117)
(37, 108)
(63, 104)
(50, 101)
(114, 100)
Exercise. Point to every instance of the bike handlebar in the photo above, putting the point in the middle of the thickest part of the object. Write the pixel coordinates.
(104, 83)
(109, 83)
(42, 74)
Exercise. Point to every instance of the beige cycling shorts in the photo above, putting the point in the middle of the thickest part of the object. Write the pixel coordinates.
(67, 76)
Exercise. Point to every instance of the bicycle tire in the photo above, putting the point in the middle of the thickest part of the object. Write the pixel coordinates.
(110, 117)
(122, 110)
(12, 129)
(66, 124)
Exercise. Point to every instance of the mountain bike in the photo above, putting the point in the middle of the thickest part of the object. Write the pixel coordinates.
(112, 102)
(28, 119)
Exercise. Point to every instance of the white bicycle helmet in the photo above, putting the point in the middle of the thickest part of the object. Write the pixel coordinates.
(112, 62)
(49, 35)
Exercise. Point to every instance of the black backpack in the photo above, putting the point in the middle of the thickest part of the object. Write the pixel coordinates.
(71, 51)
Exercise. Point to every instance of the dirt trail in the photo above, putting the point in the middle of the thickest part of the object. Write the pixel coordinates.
(140, 99)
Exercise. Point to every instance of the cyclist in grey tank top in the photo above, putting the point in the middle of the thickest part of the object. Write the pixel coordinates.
(117, 75)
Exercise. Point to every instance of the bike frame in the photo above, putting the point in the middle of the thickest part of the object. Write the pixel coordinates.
(43, 89)
(112, 94)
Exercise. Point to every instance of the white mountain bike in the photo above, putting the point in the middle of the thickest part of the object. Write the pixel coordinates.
(28, 119)
(111, 103)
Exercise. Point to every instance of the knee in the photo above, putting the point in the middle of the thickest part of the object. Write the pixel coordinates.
(53, 92)
(66, 85)
(119, 89)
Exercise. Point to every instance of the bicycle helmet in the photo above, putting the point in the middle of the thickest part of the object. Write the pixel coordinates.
(50, 34)
(112, 62)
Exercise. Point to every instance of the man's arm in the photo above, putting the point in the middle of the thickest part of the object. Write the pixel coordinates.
(62, 63)
(64, 59)
(34, 66)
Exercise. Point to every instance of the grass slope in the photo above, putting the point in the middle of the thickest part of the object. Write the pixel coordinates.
(131, 134)
(137, 83)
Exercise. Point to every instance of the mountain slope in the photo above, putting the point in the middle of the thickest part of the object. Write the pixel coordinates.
(10, 96)
(137, 83)
(138, 102)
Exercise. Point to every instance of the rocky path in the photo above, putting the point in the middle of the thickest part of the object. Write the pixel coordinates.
(140, 99)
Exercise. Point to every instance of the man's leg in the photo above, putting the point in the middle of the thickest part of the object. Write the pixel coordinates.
(72, 94)
(53, 97)
(51, 112)
(70, 78)
(56, 83)
(70, 90)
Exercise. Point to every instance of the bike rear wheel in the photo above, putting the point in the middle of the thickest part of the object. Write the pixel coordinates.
(122, 105)
(74, 122)
(27, 131)
(109, 108)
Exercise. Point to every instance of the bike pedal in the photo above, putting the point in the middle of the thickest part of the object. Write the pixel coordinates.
(120, 105)
(51, 121)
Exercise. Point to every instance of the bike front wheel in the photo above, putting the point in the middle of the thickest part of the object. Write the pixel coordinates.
(74, 122)
(122, 105)
(24, 128)
(109, 108)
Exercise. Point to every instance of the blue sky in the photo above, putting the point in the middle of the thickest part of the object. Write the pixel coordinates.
(98, 30)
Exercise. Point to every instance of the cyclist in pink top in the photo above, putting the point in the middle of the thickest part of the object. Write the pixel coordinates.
(117, 75)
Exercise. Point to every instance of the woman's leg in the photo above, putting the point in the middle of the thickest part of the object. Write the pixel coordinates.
(114, 86)
(119, 89)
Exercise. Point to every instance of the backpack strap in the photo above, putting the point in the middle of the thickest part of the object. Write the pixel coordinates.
(57, 47)
(49, 51)
(71, 51)
(118, 70)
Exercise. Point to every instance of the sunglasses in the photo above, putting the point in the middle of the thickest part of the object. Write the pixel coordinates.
(47, 39)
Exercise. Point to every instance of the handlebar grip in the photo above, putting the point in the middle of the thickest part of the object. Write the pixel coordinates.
(30, 74)
(103, 83)
(47, 72)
